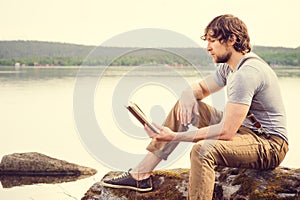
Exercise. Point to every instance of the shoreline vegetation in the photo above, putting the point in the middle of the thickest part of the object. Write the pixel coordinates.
(37, 53)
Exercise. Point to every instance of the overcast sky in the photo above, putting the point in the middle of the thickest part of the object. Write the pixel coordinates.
(92, 22)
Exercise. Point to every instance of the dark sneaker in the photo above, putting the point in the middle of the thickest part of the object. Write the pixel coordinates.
(125, 180)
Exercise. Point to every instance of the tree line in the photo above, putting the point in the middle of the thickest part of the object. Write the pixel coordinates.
(32, 53)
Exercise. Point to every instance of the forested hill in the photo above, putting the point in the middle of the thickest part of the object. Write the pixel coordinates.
(53, 53)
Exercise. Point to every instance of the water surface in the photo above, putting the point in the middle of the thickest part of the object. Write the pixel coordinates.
(37, 115)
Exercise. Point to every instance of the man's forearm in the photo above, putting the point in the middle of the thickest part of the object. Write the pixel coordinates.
(210, 132)
(197, 91)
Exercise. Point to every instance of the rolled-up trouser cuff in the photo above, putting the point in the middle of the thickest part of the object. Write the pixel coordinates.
(162, 149)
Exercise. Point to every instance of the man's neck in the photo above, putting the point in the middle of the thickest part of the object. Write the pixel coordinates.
(234, 60)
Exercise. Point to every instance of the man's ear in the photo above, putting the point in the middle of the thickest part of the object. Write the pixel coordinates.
(232, 39)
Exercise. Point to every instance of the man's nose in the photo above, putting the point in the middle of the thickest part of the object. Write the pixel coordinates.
(208, 47)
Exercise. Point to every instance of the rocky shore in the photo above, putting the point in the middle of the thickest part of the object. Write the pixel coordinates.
(231, 183)
(32, 168)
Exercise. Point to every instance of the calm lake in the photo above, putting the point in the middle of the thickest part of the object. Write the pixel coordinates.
(78, 115)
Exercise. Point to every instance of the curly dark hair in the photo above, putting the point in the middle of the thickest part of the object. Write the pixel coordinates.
(224, 27)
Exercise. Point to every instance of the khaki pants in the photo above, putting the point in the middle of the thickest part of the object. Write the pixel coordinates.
(246, 150)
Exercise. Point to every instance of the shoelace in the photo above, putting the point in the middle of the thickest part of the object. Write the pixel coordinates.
(121, 176)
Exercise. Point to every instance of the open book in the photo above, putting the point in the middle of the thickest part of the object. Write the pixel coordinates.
(139, 115)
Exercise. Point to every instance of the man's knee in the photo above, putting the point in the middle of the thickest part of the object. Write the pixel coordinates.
(203, 150)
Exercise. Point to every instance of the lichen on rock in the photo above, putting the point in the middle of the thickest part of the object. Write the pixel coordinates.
(231, 183)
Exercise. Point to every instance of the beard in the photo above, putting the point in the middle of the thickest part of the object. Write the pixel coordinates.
(223, 58)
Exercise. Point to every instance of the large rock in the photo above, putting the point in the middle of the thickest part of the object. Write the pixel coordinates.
(231, 183)
(40, 164)
(31, 168)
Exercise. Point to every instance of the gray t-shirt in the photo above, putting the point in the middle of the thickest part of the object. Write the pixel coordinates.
(254, 83)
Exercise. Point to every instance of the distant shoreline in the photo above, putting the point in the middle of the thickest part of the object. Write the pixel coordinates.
(36, 53)
(128, 71)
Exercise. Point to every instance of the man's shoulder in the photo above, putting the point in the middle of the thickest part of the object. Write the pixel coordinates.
(253, 60)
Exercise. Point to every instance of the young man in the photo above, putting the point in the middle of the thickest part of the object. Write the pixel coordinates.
(250, 133)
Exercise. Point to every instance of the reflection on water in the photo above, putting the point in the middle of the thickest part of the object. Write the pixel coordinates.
(43, 73)
(13, 181)
(36, 107)
(287, 71)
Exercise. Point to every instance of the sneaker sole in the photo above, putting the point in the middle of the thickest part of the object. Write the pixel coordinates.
(126, 187)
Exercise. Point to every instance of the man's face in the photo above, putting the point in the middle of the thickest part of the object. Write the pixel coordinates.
(220, 52)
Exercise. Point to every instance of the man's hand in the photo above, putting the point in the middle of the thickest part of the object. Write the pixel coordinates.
(165, 134)
(188, 107)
